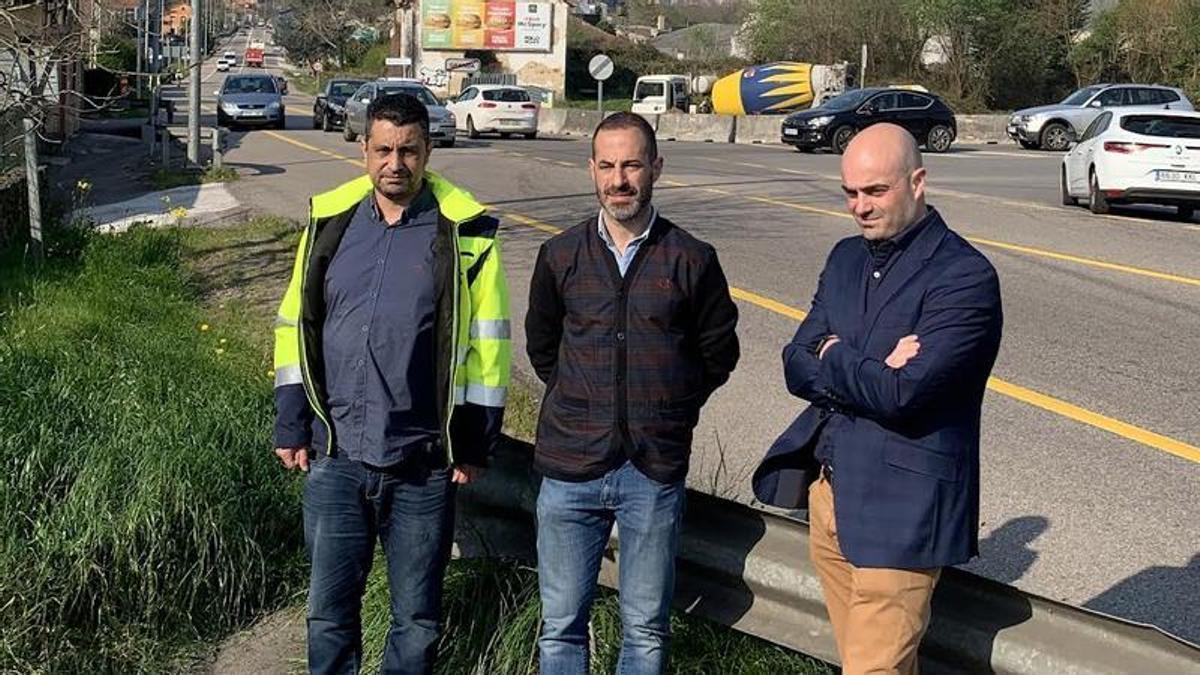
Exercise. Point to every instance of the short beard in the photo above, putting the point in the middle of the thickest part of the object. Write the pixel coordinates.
(625, 214)
(397, 193)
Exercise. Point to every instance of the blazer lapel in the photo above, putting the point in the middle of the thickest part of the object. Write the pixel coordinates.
(912, 260)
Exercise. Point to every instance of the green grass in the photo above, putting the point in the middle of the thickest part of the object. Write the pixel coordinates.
(590, 103)
(140, 510)
(165, 179)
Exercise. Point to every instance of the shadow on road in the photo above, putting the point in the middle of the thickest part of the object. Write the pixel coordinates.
(1162, 595)
(1005, 555)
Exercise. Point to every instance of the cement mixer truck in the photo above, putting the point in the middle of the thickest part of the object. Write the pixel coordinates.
(776, 88)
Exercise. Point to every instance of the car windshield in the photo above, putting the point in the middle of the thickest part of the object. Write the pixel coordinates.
(506, 95)
(343, 89)
(422, 94)
(645, 90)
(848, 100)
(1168, 126)
(1080, 97)
(250, 85)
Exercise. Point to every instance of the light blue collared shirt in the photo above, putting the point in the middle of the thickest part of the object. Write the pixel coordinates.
(631, 250)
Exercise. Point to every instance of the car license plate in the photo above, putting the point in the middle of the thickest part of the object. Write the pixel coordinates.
(511, 123)
(791, 132)
(1178, 176)
(252, 113)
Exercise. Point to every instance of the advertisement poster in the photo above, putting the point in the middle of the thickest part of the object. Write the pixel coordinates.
(502, 25)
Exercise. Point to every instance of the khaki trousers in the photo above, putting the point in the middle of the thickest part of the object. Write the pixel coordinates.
(878, 615)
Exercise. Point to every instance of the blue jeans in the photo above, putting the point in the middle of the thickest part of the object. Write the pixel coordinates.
(410, 508)
(574, 522)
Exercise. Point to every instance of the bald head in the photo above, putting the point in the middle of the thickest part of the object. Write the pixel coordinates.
(884, 180)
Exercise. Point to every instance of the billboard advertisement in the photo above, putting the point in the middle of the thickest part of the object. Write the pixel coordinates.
(502, 25)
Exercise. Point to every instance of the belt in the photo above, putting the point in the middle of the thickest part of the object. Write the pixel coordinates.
(827, 472)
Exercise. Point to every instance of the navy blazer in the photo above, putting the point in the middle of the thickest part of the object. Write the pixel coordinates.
(906, 480)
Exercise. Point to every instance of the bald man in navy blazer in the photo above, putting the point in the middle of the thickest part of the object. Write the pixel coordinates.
(894, 357)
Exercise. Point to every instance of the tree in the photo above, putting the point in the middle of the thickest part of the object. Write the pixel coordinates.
(322, 29)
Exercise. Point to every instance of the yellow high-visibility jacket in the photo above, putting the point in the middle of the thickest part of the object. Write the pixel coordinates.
(474, 354)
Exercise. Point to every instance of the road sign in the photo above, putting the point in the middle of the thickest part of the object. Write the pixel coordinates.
(397, 61)
(317, 67)
(600, 67)
(462, 65)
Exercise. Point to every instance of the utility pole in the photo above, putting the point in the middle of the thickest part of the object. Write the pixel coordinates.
(32, 192)
(404, 35)
(193, 145)
(137, 23)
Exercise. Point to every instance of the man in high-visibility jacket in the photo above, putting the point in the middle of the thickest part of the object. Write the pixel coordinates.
(392, 360)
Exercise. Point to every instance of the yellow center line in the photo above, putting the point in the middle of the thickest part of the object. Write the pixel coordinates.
(1025, 395)
(717, 191)
(675, 183)
(1090, 262)
(313, 148)
(562, 163)
(995, 384)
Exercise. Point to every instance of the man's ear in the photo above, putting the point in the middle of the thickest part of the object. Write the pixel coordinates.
(917, 182)
(657, 165)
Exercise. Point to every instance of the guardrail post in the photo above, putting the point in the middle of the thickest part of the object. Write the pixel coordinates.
(166, 148)
(218, 158)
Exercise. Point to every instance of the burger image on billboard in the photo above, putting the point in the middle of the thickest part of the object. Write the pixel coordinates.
(469, 21)
(437, 21)
(500, 22)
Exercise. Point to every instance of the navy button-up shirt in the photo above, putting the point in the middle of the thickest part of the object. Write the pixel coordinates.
(379, 336)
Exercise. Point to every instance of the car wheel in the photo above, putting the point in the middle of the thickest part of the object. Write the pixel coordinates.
(1028, 145)
(317, 121)
(1097, 202)
(1067, 199)
(282, 123)
(1055, 137)
(1185, 211)
(347, 134)
(531, 135)
(505, 135)
(842, 137)
(804, 149)
(472, 132)
(326, 123)
(448, 143)
(939, 139)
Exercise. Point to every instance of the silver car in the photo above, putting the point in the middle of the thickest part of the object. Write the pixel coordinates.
(246, 100)
(442, 124)
(1054, 127)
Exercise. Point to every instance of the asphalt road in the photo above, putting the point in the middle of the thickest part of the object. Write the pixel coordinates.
(1090, 457)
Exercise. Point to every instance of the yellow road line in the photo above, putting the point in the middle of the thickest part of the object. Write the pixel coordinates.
(1002, 387)
(675, 183)
(312, 148)
(798, 207)
(562, 163)
(1025, 395)
(1090, 262)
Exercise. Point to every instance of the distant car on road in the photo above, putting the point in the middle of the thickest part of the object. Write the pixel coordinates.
(442, 124)
(230, 58)
(329, 110)
(837, 120)
(1054, 127)
(245, 100)
(222, 65)
(1136, 156)
(495, 108)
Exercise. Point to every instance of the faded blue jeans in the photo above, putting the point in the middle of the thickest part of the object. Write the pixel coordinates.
(410, 508)
(574, 522)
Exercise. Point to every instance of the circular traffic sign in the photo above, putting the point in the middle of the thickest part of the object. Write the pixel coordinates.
(600, 67)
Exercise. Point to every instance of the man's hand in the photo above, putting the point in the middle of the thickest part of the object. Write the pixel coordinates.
(906, 348)
(464, 474)
(293, 458)
(829, 342)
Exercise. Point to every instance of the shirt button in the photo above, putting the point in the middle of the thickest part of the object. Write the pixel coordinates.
(875, 274)
(381, 261)
(361, 363)
(364, 328)
(621, 337)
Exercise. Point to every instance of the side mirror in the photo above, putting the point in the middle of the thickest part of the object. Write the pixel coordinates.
(216, 93)
(365, 99)
(867, 110)
(1094, 104)
(320, 98)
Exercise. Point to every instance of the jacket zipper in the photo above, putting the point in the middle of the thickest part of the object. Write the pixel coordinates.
(304, 371)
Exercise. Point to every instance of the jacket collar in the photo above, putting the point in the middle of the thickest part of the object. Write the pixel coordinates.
(455, 204)
(926, 238)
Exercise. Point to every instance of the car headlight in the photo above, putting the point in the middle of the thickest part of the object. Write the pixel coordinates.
(229, 108)
(336, 107)
(274, 105)
(450, 120)
(820, 121)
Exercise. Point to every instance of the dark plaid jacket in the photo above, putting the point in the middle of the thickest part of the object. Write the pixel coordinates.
(628, 362)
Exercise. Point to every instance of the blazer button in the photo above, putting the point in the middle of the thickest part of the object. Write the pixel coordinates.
(620, 337)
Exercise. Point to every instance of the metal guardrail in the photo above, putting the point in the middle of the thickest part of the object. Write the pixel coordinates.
(749, 569)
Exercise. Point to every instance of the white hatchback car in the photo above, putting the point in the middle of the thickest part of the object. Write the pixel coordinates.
(1136, 157)
(222, 65)
(496, 108)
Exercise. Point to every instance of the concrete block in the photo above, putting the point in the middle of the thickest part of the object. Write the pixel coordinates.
(709, 128)
(759, 129)
(982, 128)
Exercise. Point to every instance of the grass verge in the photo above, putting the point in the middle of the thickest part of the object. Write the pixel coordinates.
(140, 511)
(590, 103)
(165, 179)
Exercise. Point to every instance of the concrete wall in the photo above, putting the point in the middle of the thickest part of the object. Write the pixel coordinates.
(982, 128)
(706, 128)
(759, 128)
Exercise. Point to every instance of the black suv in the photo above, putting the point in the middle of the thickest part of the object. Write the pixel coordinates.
(329, 110)
(834, 123)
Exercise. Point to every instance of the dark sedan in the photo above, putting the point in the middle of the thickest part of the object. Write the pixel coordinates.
(835, 122)
(329, 110)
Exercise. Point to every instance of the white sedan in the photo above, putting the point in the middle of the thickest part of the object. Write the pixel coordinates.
(222, 65)
(495, 108)
(1136, 157)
